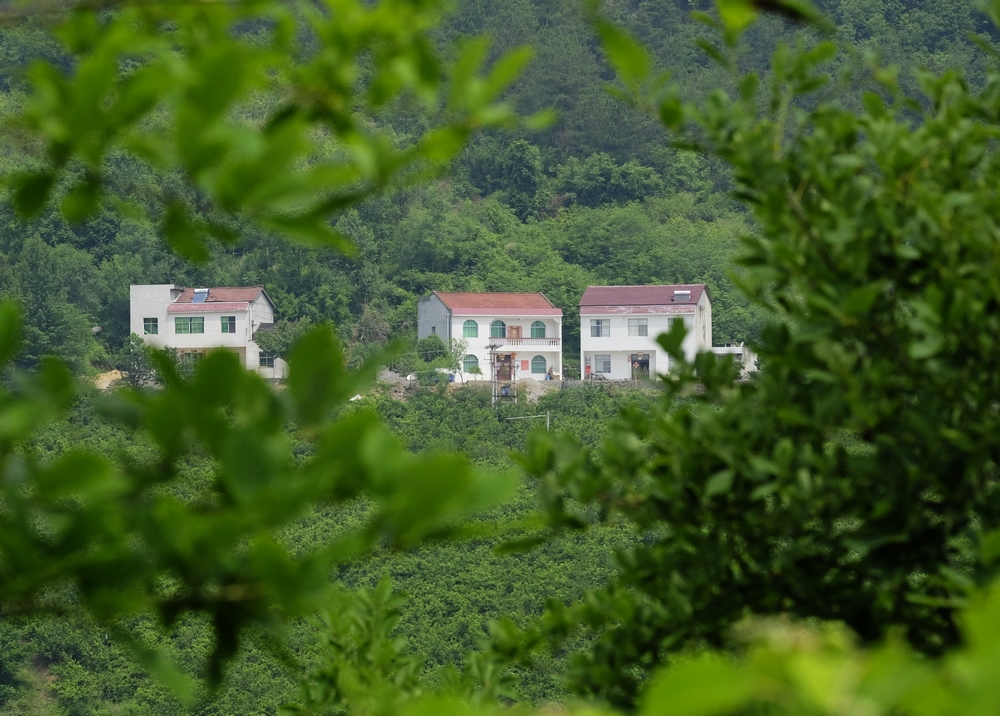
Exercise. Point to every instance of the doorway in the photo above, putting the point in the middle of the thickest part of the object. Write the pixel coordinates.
(640, 365)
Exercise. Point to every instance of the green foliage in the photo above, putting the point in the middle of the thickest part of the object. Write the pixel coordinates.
(511, 167)
(365, 667)
(280, 338)
(135, 362)
(600, 180)
(852, 481)
(854, 478)
(55, 284)
(111, 537)
(193, 71)
(431, 348)
(793, 669)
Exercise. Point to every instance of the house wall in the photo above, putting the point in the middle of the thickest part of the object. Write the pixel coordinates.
(744, 356)
(526, 348)
(261, 311)
(621, 346)
(703, 323)
(278, 372)
(150, 301)
(213, 337)
(433, 318)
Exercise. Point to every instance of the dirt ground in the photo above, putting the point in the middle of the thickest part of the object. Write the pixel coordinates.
(105, 380)
(531, 390)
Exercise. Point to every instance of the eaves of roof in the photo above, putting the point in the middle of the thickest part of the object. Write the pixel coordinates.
(681, 308)
(217, 307)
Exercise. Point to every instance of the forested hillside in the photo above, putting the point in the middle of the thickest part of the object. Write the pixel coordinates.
(597, 196)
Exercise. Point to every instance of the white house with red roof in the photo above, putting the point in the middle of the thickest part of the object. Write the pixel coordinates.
(524, 329)
(194, 321)
(619, 326)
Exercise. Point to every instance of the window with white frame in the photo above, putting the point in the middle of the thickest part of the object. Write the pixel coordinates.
(498, 329)
(602, 363)
(538, 365)
(470, 329)
(600, 327)
(638, 327)
(470, 363)
(150, 326)
(266, 360)
(538, 330)
(229, 324)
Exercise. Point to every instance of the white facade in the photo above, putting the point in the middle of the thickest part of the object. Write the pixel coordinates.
(526, 327)
(742, 354)
(619, 326)
(194, 321)
(537, 351)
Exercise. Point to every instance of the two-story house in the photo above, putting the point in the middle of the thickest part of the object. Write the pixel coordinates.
(194, 321)
(619, 326)
(522, 331)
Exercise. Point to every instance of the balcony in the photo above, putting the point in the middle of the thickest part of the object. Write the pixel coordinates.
(552, 343)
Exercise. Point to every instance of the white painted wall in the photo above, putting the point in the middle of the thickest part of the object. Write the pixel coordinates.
(152, 301)
(742, 354)
(213, 337)
(703, 322)
(261, 311)
(550, 347)
(620, 346)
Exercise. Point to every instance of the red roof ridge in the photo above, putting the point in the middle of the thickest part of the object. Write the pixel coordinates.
(508, 300)
(225, 294)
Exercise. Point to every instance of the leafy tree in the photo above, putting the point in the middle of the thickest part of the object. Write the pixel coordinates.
(135, 361)
(170, 84)
(366, 668)
(54, 283)
(200, 159)
(431, 348)
(794, 669)
(512, 167)
(855, 478)
(282, 336)
(194, 66)
(598, 179)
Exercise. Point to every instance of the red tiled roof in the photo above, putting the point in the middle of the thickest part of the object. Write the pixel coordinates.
(213, 307)
(640, 295)
(223, 294)
(473, 304)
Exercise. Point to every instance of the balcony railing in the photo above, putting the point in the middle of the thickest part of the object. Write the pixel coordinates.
(529, 342)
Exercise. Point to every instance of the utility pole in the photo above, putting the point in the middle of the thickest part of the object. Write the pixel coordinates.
(492, 348)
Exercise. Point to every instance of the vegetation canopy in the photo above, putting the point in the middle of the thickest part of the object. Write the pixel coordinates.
(855, 478)
(851, 484)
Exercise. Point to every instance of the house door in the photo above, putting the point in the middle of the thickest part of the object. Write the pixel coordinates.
(640, 365)
(504, 366)
(514, 332)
